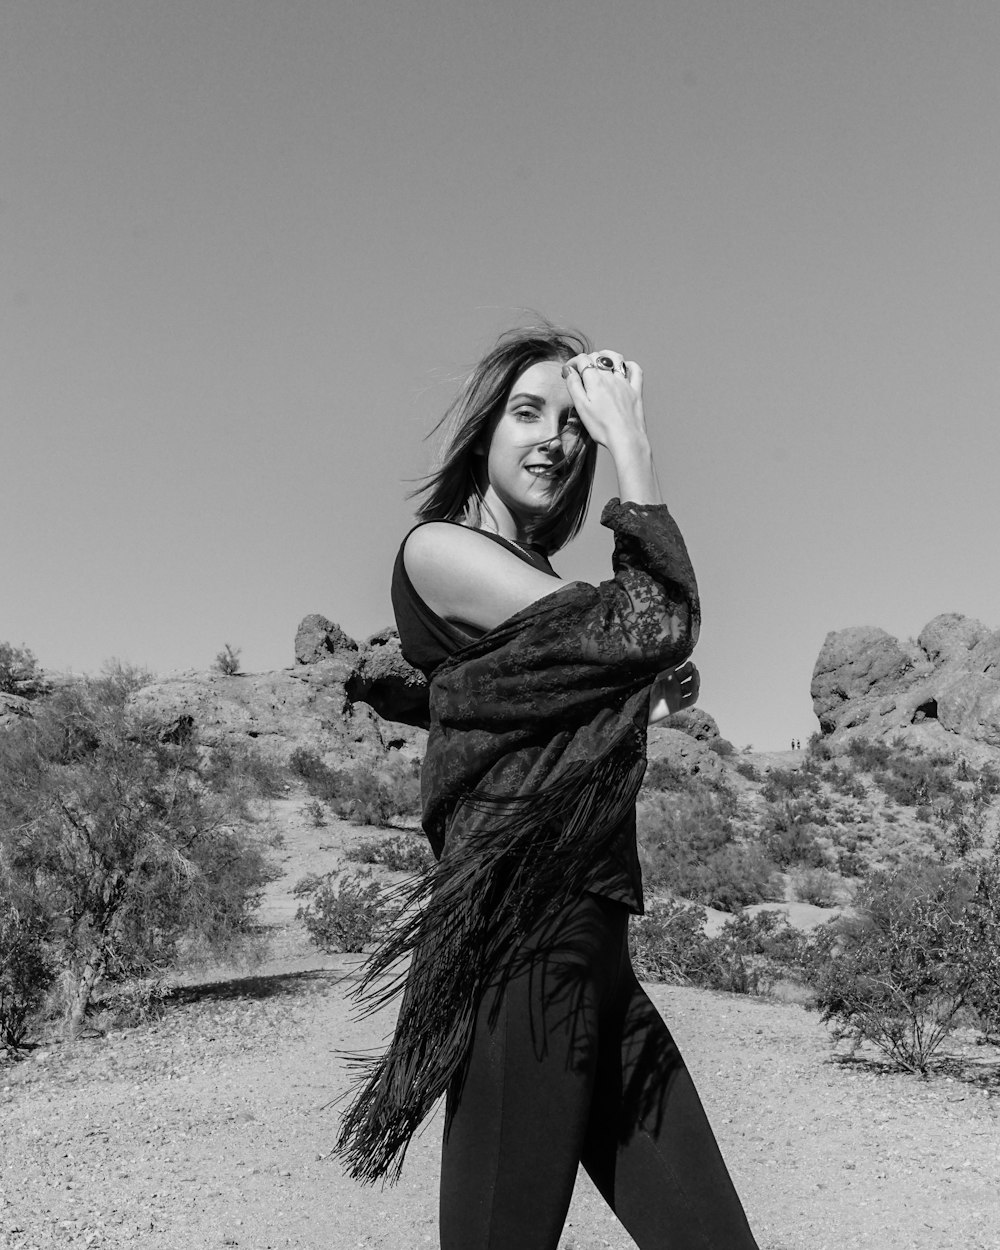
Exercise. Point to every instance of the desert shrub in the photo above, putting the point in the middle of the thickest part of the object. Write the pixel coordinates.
(127, 858)
(916, 780)
(242, 768)
(845, 783)
(134, 1002)
(346, 911)
(749, 953)
(869, 755)
(689, 846)
(981, 945)
(227, 661)
(899, 972)
(790, 838)
(19, 672)
(766, 935)
(722, 747)
(359, 793)
(815, 885)
(668, 944)
(850, 862)
(315, 813)
(661, 774)
(26, 971)
(399, 854)
(818, 748)
(782, 784)
(748, 770)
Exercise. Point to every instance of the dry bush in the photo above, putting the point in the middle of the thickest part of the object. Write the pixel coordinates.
(691, 844)
(359, 793)
(924, 945)
(400, 854)
(128, 859)
(346, 911)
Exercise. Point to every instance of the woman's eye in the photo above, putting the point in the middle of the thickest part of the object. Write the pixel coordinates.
(526, 414)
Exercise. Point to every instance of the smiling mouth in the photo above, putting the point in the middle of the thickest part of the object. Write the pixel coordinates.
(546, 471)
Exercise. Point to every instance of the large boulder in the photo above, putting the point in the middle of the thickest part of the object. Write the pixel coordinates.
(683, 752)
(317, 639)
(385, 681)
(867, 682)
(695, 722)
(950, 635)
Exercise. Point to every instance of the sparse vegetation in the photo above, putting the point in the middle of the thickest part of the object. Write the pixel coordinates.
(315, 813)
(19, 672)
(747, 956)
(923, 946)
(360, 794)
(241, 769)
(345, 911)
(690, 845)
(227, 661)
(111, 841)
(405, 853)
(26, 971)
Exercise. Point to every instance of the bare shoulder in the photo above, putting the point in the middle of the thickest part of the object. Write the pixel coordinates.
(436, 540)
(468, 578)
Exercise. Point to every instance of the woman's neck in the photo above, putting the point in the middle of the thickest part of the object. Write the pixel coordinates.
(496, 518)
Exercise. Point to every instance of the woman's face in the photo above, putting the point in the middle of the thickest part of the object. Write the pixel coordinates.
(529, 444)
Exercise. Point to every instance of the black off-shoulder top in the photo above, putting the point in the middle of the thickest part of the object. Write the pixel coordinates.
(427, 640)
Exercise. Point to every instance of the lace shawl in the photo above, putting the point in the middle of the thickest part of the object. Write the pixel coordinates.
(535, 754)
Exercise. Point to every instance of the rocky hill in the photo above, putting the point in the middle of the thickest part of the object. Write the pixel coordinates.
(945, 685)
(346, 701)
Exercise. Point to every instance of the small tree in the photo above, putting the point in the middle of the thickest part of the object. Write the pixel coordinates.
(26, 972)
(19, 672)
(898, 974)
(125, 854)
(227, 662)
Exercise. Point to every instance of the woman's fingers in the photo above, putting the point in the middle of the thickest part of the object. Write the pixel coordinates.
(681, 686)
(610, 361)
(633, 371)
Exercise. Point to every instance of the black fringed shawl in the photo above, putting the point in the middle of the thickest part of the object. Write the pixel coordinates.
(536, 750)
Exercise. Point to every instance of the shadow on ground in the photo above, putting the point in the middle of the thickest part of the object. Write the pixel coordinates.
(978, 1073)
(274, 985)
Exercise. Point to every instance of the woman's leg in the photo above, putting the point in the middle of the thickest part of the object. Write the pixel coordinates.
(516, 1126)
(649, 1147)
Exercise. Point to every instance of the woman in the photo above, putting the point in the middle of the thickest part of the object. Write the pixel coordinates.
(520, 1001)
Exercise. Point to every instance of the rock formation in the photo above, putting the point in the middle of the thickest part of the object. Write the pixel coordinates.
(317, 639)
(685, 752)
(344, 703)
(865, 681)
(385, 681)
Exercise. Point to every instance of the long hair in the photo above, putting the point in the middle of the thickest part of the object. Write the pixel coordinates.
(454, 489)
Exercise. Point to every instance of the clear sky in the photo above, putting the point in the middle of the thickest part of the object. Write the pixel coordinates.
(247, 250)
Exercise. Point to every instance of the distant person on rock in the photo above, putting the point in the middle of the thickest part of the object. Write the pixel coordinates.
(520, 1003)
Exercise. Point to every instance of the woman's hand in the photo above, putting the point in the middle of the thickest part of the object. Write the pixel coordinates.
(674, 688)
(607, 397)
(606, 390)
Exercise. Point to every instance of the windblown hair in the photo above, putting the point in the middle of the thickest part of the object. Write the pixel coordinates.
(454, 490)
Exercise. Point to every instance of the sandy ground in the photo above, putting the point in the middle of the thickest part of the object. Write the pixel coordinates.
(213, 1126)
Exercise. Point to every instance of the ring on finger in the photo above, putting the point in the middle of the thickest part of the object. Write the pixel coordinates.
(608, 364)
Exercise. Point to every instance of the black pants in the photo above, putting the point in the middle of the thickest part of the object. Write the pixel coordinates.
(572, 1064)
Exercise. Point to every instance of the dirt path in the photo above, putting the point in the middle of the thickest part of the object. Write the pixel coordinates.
(212, 1126)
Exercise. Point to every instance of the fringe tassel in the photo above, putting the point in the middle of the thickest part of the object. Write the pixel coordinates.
(461, 922)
